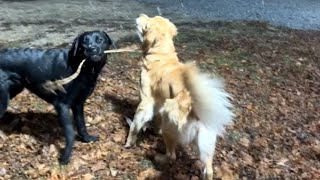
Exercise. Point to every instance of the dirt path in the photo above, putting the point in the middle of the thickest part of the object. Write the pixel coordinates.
(53, 23)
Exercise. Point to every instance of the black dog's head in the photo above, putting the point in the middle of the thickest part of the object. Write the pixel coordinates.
(91, 45)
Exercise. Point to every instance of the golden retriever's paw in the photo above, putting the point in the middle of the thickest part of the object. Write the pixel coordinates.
(129, 143)
(209, 176)
(161, 159)
(157, 131)
(128, 120)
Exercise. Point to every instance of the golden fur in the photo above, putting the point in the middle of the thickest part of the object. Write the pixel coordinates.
(179, 93)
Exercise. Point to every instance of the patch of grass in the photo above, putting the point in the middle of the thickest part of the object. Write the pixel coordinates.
(15, 44)
(197, 38)
(128, 176)
(221, 60)
(146, 163)
(236, 59)
(39, 105)
(235, 136)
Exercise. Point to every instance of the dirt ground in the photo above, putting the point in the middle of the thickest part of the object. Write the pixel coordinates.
(272, 73)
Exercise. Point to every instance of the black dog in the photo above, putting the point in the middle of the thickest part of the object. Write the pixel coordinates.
(30, 68)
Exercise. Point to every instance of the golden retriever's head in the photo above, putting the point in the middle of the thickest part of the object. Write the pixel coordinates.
(156, 32)
(178, 109)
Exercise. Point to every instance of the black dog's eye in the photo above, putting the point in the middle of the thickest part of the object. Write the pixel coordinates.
(86, 39)
(99, 40)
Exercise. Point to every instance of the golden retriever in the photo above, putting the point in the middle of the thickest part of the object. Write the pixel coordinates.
(193, 107)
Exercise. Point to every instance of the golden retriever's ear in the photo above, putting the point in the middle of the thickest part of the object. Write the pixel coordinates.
(173, 30)
(142, 22)
(143, 15)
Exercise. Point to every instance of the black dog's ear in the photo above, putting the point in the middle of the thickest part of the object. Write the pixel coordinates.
(74, 47)
(109, 39)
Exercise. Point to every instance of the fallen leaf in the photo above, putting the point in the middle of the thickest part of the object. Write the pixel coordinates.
(96, 120)
(125, 154)
(50, 108)
(256, 124)
(260, 142)
(32, 172)
(249, 107)
(7, 176)
(40, 167)
(277, 170)
(117, 138)
(149, 173)
(98, 166)
(44, 171)
(244, 141)
(86, 157)
(3, 135)
(273, 100)
(198, 165)
(113, 171)
(315, 146)
(89, 119)
(282, 162)
(88, 176)
(53, 150)
(195, 178)
(225, 173)
(180, 176)
(3, 171)
(247, 159)
(77, 162)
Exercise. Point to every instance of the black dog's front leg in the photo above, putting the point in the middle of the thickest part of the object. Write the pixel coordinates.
(66, 122)
(80, 123)
(4, 98)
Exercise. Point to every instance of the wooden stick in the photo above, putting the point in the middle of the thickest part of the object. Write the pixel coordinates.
(53, 86)
(121, 50)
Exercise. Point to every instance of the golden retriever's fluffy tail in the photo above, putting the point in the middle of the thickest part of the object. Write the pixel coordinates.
(210, 102)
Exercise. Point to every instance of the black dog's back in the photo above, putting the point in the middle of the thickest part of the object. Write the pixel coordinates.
(35, 65)
(30, 68)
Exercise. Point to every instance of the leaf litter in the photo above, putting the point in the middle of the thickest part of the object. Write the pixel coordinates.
(272, 73)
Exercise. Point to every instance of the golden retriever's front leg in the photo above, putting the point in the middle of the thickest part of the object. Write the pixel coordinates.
(157, 125)
(145, 110)
(144, 113)
(171, 143)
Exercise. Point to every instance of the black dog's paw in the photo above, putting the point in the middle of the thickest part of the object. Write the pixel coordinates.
(88, 138)
(63, 160)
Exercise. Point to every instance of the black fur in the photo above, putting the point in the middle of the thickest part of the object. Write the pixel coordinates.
(30, 68)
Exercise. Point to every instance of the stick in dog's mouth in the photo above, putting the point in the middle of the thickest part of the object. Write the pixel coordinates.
(57, 85)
